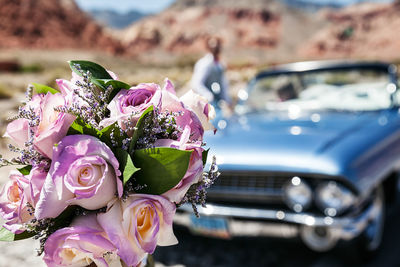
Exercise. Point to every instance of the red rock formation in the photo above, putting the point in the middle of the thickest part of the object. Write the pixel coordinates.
(368, 31)
(251, 30)
(50, 24)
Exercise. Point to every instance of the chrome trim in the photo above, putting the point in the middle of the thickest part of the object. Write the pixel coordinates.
(249, 186)
(249, 228)
(345, 227)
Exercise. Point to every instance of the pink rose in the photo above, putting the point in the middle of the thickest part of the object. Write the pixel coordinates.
(67, 89)
(84, 172)
(53, 125)
(36, 178)
(171, 103)
(200, 106)
(18, 130)
(195, 169)
(136, 226)
(128, 105)
(15, 196)
(81, 244)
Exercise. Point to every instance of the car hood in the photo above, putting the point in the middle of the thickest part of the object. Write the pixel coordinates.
(274, 142)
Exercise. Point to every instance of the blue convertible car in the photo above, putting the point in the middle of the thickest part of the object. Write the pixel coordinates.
(313, 150)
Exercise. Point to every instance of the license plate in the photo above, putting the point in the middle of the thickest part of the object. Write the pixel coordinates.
(210, 226)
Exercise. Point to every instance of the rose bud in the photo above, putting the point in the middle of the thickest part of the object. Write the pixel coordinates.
(171, 103)
(199, 105)
(128, 105)
(52, 127)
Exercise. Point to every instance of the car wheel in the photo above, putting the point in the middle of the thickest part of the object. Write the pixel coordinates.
(371, 239)
(320, 239)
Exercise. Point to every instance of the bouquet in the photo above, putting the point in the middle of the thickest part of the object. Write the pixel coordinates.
(103, 167)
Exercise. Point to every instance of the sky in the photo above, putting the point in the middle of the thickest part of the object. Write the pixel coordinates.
(346, 2)
(154, 6)
(147, 6)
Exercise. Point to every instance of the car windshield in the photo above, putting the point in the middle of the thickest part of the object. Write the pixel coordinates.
(349, 90)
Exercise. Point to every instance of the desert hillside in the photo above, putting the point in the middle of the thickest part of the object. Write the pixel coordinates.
(252, 31)
(368, 31)
(51, 24)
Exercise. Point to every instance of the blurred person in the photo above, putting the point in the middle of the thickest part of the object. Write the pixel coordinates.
(209, 76)
(285, 89)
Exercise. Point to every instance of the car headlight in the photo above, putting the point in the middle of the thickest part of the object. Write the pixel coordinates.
(333, 198)
(298, 194)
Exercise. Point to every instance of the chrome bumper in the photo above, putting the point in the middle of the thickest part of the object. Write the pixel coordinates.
(279, 223)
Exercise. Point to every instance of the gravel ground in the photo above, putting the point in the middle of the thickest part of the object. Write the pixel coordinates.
(21, 253)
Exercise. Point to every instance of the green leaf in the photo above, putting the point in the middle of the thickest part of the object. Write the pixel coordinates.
(105, 135)
(75, 128)
(80, 127)
(204, 156)
(161, 168)
(116, 85)
(140, 127)
(44, 89)
(7, 236)
(109, 128)
(129, 170)
(65, 218)
(126, 165)
(25, 170)
(100, 77)
(97, 71)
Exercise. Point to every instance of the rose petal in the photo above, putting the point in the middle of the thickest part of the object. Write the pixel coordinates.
(18, 131)
(111, 221)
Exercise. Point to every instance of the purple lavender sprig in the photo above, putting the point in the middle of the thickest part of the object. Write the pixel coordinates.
(161, 125)
(197, 193)
(28, 155)
(92, 107)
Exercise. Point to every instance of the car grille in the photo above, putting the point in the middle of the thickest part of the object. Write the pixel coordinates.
(248, 187)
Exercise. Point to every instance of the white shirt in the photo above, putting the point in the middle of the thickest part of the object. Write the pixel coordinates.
(209, 79)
